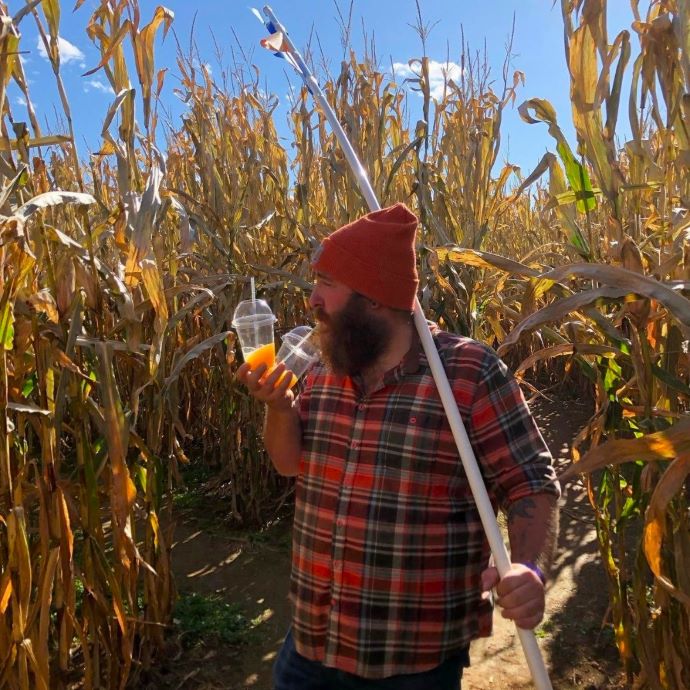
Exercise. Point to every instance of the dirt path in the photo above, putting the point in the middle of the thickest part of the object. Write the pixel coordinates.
(579, 652)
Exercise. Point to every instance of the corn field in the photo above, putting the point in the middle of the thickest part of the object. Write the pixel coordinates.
(119, 272)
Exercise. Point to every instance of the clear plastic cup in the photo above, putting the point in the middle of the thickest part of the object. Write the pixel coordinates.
(253, 320)
(298, 351)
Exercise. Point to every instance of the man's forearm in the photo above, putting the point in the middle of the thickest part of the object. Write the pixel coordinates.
(283, 439)
(533, 529)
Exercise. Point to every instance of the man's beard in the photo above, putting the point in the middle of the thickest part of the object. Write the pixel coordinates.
(353, 339)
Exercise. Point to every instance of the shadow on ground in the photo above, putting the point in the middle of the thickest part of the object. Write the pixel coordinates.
(581, 646)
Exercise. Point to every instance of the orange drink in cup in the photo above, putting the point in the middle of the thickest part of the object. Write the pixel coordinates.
(266, 354)
(253, 320)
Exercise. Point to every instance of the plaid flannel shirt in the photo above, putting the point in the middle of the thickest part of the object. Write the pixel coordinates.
(388, 546)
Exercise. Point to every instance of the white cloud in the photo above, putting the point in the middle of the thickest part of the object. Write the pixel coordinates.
(439, 73)
(68, 51)
(95, 85)
(202, 65)
(20, 100)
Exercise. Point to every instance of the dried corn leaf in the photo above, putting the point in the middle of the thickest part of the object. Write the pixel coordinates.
(122, 490)
(670, 485)
(480, 259)
(662, 445)
(52, 199)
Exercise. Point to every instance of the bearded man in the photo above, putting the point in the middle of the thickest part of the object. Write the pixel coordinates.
(390, 565)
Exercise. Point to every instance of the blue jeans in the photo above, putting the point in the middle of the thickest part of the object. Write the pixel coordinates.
(294, 672)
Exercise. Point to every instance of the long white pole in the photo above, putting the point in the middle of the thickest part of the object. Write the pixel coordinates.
(469, 462)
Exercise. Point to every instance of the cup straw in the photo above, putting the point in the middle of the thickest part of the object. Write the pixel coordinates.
(256, 325)
(303, 340)
(298, 345)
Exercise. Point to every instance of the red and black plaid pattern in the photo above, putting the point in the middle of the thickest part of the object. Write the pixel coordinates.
(388, 546)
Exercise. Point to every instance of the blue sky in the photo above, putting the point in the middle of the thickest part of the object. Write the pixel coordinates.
(537, 51)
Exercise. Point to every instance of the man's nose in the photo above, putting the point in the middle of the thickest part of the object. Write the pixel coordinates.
(315, 299)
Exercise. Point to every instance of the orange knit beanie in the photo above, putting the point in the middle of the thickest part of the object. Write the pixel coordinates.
(374, 255)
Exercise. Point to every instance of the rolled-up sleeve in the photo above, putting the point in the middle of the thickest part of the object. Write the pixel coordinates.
(511, 451)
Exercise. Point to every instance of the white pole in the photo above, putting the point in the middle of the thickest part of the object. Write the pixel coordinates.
(469, 462)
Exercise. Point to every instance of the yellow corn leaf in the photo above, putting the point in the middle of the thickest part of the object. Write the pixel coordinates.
(154, 526)
(7, 321)
(117, 601)
(139, 442)
(48, 140)
(662, 445)
(110, 47)
(42, 302)
(123, 101)
(557, 311)
(20, 563)
(27, 408)
(587, 44)
(51, 8)
(64, 361)
(682, 22)
(84, 280)
(568, 349)
(143, 54)
(185, 226)
(45, 600)
(613, 101)
(144, 219)
(480, 259)
(5, 591)
(154, 287)
(66, 535)
(577, 174)
(40, 681)
(193, 354)
(630, 281)
(434, 265)
(159, 80)
(18, 181)
(65, 278)
(53, 199)
(122, 489)
(670, 484)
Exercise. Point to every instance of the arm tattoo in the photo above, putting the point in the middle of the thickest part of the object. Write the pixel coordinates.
(521, 509)
(532, 529)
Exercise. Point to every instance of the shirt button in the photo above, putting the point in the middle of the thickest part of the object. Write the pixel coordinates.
(334, 602)
(354, 445)
(337, 566)
(361, 407)
(340, 523)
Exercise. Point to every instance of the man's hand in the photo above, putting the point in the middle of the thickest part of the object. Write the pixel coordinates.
(270, 389)
(282, 426)
(520, 594)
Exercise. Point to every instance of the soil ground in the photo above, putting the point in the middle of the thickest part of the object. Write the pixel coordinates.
(575, 637)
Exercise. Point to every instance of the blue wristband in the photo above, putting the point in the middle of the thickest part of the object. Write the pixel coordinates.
(536, 570)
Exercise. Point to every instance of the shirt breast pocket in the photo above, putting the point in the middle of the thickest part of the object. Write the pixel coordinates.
(409, 441)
